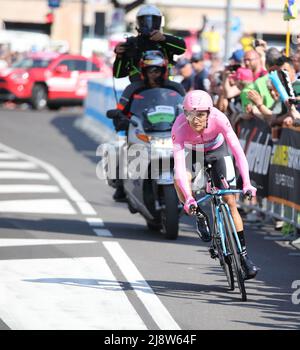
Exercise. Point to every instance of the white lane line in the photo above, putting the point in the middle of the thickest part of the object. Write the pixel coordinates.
(102, 232)
(38, 206)
(17, 165)
(15, 242)
(296, 241)
(7, 156)
(145, 293)
(23, 175)
(294, 254)
(29, 189)
(84, 207)
(95, 222)
(57, 294)
(275, 238)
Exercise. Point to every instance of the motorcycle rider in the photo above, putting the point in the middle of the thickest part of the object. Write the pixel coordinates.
(203, 128)
(150, 37)
(154, 74)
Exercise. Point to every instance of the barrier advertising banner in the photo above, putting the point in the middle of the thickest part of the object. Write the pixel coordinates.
(255, 137)
(284, 174)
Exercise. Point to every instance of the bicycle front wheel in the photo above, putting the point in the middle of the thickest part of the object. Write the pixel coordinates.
(236, 259)
(225, 262)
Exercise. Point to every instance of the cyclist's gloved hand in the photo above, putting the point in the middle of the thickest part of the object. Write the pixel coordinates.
(190, 201)
(248, 188)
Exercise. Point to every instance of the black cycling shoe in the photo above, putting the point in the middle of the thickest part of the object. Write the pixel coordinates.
(203, 226)
(249, 267)
(213, 253)
(120, 195)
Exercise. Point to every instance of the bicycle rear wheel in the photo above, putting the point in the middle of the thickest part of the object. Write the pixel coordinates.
(236, 260)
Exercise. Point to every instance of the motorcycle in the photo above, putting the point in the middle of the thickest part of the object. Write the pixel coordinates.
(148, 155)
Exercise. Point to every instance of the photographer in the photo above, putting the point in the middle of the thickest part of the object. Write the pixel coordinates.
(150, 37)
(229, 100)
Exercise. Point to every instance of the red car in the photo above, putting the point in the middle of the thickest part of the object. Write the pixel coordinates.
(49, 79)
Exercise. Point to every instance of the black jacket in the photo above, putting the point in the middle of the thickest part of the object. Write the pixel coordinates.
(128, 62)
(138, 86)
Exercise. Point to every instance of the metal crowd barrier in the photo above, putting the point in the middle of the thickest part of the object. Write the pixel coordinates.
(277, 211)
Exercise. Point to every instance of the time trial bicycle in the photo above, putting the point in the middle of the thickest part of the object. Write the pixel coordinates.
(225, 245)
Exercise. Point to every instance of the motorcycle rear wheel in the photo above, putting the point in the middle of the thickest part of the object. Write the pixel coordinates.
(170, 212)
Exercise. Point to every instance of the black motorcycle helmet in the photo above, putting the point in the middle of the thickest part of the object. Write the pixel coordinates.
(148, 18)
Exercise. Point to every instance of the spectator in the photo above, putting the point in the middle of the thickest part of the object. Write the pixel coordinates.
(296, 62)
(213, 42)
(253, 61)
(243, 77)
(286, 63)
(201, 81)
(185, 69)
(261, 84)
(236, 58)
(229, 101)
(247, 41)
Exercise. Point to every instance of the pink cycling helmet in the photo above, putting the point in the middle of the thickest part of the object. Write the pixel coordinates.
(197, 100)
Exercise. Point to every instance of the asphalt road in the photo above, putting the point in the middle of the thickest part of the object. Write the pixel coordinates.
(72, 258)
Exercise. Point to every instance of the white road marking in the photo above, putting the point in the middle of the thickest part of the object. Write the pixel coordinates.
(15, 242)
(57, 294)
(29, 189)
(6, 156)
(145, 293)
(275, 238)
(17, 165)
(84, 207)
(294, 254)
(23, 175)
(95, 222)
(296, 241)
(38, 206)
(102, 232)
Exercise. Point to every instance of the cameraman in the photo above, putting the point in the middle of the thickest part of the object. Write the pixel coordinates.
(150, 37)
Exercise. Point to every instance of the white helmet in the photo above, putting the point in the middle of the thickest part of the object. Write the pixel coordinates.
(149, 10)
(148, 18)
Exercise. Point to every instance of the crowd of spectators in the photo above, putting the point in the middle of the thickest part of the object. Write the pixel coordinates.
(242, 88)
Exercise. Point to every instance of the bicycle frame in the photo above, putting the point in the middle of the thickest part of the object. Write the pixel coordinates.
(216, 200)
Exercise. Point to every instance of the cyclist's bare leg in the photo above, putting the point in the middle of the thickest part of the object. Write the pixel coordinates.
(231, 201)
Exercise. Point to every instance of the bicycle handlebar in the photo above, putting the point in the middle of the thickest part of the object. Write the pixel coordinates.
(223, 193)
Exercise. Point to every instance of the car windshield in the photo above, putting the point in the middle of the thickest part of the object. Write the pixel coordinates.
(32, 63)
(157, 108)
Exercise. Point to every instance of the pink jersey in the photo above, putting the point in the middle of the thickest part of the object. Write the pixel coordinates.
(218, 130)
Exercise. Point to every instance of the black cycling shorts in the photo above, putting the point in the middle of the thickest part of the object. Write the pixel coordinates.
(221, 161)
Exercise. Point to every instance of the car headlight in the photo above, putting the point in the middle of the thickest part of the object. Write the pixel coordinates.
(162, 142)
(20, 76)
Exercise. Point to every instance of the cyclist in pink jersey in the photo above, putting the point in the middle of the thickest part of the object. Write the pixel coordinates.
(203, 128)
